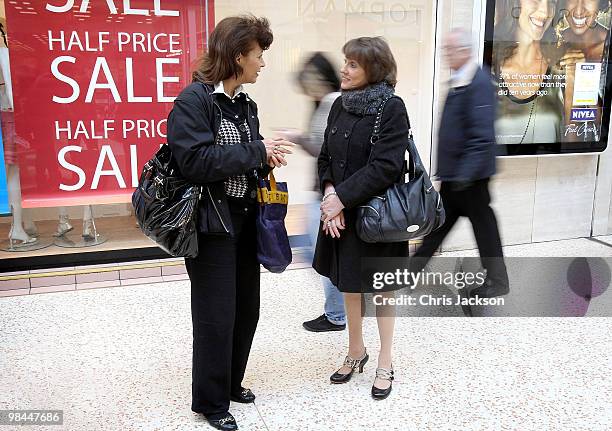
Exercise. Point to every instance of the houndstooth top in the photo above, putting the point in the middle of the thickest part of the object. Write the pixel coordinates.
(234, 130)
(230, 134)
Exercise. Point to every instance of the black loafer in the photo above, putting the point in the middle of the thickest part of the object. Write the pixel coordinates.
(321, 324)
(245, 396)
(227, 423)
(490, 290)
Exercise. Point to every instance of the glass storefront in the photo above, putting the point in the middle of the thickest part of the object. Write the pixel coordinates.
(90, 84)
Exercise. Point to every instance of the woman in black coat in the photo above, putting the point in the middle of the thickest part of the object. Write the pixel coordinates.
(348, 180)
(213, 132)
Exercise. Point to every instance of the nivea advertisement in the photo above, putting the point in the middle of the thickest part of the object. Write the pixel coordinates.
(549, 63)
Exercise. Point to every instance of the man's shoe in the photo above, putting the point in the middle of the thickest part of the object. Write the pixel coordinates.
(465, 307)
(490, 290)
(321, 324)
(245, 396)
(227, 423)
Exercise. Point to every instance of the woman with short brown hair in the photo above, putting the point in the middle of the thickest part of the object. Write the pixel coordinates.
(213, 132)
(353, 168)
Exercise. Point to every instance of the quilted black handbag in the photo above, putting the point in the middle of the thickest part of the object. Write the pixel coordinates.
(166, 206)
(407, 209)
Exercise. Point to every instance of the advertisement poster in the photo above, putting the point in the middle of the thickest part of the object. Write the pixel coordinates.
(549, 61)
(93, 82)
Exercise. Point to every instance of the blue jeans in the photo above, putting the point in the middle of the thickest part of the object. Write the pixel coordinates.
(334, 301)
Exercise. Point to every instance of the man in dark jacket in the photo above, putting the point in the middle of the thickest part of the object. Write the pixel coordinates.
(466, 161)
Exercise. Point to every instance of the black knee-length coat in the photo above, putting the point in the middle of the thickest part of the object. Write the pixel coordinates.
(344, 162)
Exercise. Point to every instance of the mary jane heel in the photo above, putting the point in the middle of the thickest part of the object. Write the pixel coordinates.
(383, 374)
(353, 364)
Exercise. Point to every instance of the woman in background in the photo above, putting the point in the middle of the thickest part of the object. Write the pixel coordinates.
(319, 81)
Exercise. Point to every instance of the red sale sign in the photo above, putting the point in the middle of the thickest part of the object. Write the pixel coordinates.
(93, 82)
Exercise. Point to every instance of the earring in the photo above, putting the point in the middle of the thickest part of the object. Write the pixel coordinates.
(604, 17)
(561, 27)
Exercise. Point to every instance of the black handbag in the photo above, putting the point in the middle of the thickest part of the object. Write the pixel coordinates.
(407, 209)
(166, 206)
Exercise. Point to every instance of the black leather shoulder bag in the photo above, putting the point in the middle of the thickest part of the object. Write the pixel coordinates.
(166, 206)
(408, 209)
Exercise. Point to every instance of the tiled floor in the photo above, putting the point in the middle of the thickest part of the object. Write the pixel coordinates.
(120, 359)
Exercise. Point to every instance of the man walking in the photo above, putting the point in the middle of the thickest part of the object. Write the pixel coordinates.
(466, 161)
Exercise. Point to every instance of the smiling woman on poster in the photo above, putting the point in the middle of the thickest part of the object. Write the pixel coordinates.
(529, 100)
(583, 33)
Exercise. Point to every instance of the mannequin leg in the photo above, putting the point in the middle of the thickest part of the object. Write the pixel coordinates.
(17, 233)
(64, 225)
(28, 223)
(89, 227)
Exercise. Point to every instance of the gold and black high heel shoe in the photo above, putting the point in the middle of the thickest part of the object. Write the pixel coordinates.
(352, 364)
(383, 374)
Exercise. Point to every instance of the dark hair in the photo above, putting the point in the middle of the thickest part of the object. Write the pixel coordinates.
(507, 14)
(327, 72)
(231, 37)
(374, 55)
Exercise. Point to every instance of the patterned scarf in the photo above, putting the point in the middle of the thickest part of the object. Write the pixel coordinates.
(366, 101)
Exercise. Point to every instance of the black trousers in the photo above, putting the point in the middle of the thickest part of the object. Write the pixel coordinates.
(473, 203)
(224, 311)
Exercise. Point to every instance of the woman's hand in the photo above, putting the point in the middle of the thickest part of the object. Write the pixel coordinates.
(569, 61)
(331, 207)
(275, 151)
(334, 226)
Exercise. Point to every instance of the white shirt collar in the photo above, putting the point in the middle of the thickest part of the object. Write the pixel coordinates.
(220, 89)
(458, 74)
(464, 75)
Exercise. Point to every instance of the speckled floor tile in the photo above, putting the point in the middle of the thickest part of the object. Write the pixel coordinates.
(120, 359)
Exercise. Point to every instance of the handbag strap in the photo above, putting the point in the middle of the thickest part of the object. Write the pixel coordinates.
(410, 169)
(272, 182)
(378, 121)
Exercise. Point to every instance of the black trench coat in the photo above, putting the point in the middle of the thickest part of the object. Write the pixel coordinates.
(344, 162)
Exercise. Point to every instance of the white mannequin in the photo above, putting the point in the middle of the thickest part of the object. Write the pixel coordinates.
(17, 235)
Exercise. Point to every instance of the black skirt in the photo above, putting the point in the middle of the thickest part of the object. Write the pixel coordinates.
(341, 259)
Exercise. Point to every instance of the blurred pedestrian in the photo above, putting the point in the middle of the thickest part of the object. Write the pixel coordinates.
(320, 81)
(466, 161)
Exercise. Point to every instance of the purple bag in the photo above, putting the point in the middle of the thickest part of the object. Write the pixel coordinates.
(273, 249)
